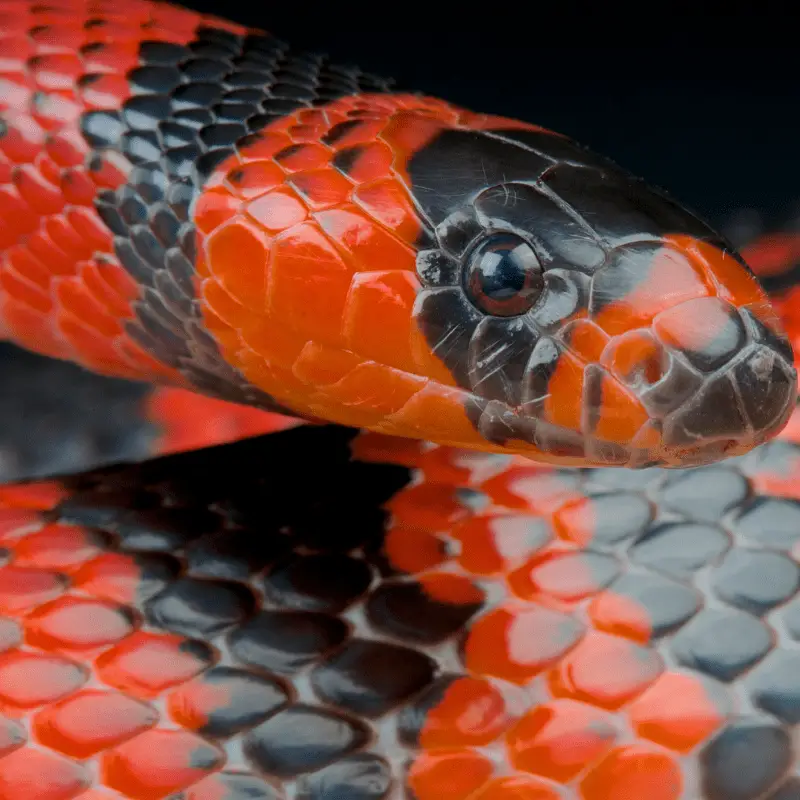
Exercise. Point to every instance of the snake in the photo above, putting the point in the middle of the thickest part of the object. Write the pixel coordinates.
(535, 534)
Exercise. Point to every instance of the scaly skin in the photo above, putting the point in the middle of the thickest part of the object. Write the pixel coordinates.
(191, 202)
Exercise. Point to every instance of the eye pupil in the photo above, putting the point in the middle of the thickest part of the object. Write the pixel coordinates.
(502, 273)
(503, 276)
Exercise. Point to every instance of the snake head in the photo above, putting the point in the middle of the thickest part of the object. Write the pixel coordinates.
(489, 284)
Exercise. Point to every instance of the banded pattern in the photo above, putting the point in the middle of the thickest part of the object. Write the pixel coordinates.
(424, 622)
(195, 203)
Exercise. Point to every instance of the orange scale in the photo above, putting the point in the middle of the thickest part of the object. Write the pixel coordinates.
(67, 148)
(427, 507)
(263, 146)
(277, 210)
(375, 447)
(42, 495)
(298, 157)
(307, 133)
(672, 278)
(450, 589)
(91, 721)
(607, 671)
(41, 775)
(77, 624)
(413, 551)
(321, 188)
(633, 355)
(77, 188)
(110, 576)
(309, 282)
(213, 208)
(313, 116)
(516, 644)
(693, 325)
(575, 522)
(146, 664)
(371, 393)
(116, 278)
(634, 771)
(620, 415)
(48, 169)
(516, 787)
(321, 366)
(23, 589)
(39, 193)
(254, 178)
(564, 403)
(291, 392)
(388, 202)
(17, 214)
(448, 774)
(471, 713)
(105, 92)
(58, 547)
(58, 34)
(92, 349)
(408, 132)
(680, 711)
(14, 48)
(492, 545)
(115, 56)
(733, 283)
(372, 162)
(586, 339)
(55, 71)
(238, 254)
(273, 341)
(18, 88)
(435, 412)
(533, 489)
(115, 304)
(621, 616)
(158, 763)
(32, 679)
(365, 242)
(446, 465)
(364, 131)
(25, 292)
(106, 173)
(101, 794)
(567, 576)
(44, 249)
(74, 297)
(31, 330)
(559, 739)
(378, 320)
(428, 363)
(58, 110)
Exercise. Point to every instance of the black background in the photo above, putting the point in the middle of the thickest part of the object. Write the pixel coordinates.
(705, 104)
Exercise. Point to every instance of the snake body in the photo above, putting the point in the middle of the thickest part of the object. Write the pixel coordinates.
(426, 592)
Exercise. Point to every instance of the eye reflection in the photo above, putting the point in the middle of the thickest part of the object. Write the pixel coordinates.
(503, 276)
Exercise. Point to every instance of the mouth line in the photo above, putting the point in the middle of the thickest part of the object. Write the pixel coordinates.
(499, 422)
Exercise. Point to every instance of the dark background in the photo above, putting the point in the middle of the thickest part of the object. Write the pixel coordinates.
(705, 104)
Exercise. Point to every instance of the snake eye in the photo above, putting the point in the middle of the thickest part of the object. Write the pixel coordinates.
(503, 276)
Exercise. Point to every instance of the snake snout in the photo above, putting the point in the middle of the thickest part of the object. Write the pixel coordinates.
(745, 382)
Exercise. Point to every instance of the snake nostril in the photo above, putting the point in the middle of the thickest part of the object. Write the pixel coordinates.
(653, 367)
